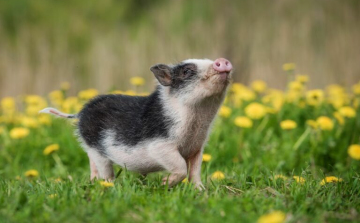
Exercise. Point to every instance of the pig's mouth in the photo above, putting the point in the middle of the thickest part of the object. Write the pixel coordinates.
(223, 75)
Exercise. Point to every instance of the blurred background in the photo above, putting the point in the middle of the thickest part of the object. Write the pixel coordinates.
(101, 44)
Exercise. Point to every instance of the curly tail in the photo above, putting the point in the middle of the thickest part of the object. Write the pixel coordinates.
(56, 112)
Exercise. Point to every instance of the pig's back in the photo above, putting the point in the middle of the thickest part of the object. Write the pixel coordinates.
(129, 119)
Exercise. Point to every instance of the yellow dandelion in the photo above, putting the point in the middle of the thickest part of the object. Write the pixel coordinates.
(56, 98)
(225, 111)
(218, 175)
(65, 86)
(339, 118)
(70, 104)
(29, 122)
(44, 119)
(255, 110)
(130, 93)
(137, 81)
(50, 149)
(299, 179)
(280, 176)
(288, 124)
(185, 181)
(325, 123)
(335, 90)
(330, 179)
(312, 123)
(354, 151)
(295, 86)
(8, 104)
(347, 112)
(243, 122)
(356, 88)
(19, 133)
(273, 217)
(52, 196)
(288, 66)
(88, 94)
(206, 157)
(106, 184)
(32, 173)
(258, 86)
(315, 97)
(302, 78)
(57, 180)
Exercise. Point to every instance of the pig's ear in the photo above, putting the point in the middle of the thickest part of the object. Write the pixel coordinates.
(162, 72)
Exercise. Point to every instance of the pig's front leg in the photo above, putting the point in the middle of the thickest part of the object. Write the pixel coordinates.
(172, 161)
(194, 164)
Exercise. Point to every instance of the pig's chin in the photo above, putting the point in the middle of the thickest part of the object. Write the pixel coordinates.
(222, 77)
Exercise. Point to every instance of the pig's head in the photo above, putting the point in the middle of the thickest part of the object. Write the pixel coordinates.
(193, 80)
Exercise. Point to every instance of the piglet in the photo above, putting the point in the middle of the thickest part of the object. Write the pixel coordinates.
(166, 130)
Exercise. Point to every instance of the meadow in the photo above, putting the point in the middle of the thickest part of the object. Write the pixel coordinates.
(273, 156)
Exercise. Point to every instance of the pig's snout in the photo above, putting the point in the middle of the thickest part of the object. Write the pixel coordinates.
(222, 65)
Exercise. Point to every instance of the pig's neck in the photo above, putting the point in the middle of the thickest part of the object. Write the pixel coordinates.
(191, 121)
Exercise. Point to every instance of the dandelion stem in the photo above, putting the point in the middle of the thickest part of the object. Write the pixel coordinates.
(301, 139)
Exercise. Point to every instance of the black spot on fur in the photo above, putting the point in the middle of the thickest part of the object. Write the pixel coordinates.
(181, 74)
(132, 119)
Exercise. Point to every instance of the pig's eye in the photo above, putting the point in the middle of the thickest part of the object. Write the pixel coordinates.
(188, 72)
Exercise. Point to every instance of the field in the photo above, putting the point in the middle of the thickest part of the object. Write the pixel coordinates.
(273, 156)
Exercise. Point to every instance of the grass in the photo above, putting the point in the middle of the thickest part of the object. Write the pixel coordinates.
(250, 158)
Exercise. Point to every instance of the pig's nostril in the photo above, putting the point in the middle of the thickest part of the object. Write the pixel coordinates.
(218, 64)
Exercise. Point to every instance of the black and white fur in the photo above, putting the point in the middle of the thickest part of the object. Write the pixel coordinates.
(166, 130)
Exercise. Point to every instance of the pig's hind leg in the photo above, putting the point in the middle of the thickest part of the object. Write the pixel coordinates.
(100, 166)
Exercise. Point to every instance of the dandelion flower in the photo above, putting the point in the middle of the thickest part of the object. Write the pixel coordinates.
(347, 112)
(273, 217)
(225, 111)
(299, 179)
(312, 123)
(50, 149)
(88, 94)
(315, 97)
(288, 66)
(52, 196)
(31, 173)
(185, 181)
(280, 176)
(65, 86)
(243, 122)
(218, 175)
(8, 104)
(206, 157)
(19, 133)
(106, 184)
(356, 88)
(44, 119)
(354, 151)
(295, 86)
(288, 124)
(330, 179)
(137, 81)
(325, 123)
(258, 86)
(29, 122)
(255, 110)
(302, 78)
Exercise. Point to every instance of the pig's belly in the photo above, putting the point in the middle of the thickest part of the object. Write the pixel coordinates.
(136, 159)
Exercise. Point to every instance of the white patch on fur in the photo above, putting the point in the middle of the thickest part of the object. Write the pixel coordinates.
(202, 64)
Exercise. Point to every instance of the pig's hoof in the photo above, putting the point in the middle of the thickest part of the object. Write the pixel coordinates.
(200, 186)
